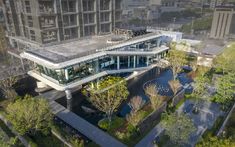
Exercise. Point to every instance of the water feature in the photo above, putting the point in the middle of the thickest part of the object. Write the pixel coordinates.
(83, 108)
(136, 86)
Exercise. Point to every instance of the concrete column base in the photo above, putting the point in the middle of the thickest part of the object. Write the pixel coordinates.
(69, 99)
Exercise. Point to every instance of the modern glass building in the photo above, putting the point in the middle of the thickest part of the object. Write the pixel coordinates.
(67, 66)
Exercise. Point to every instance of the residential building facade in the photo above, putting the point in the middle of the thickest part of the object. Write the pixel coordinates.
(223, 23)
(52, 21)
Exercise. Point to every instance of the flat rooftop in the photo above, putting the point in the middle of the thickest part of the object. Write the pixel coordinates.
(74, 49)
(82, 47)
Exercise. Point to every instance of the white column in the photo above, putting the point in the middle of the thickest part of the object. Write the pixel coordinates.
(118, 62)
(129, 61)
(97, 66)
(66, 74)
(68, 94)
(147, 62)
(137, 58)
(69, 99)
(134, 61)
(22, 63)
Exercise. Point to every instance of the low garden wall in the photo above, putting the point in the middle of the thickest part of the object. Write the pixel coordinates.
(178, 97)
(150, 120)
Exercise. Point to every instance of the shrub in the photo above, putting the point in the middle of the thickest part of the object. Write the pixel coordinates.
(77, 142)
(135, 118)
(136, 103)
(122, 135)
(116, 122)
(104, 124)
(155, 99)
(131, 129)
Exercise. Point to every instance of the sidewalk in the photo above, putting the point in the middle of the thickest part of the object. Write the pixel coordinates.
(147, 141)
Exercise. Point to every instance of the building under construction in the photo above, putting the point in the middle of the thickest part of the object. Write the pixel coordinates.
(46, 22)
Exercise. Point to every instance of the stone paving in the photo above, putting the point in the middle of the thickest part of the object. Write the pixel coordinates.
(208, 113)
(205, 119)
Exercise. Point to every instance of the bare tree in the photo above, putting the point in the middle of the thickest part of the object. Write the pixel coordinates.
(136, 103)
(155, 99)
(134, 118)
(175, 85)
(6, 83)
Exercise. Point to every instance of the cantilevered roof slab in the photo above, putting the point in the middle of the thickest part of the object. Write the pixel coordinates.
(66, 54)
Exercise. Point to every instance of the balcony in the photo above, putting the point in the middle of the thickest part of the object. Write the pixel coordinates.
(44, 9)
(70, 24)
(69, 10)
(49, 37)
(47, 25)
(47, 22)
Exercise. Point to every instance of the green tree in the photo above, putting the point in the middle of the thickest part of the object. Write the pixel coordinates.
(200, 83)
(108, 94)
(178, 127)
(216, 142)
(176, 59)
(29, 115)
(199, 88)
(225, 61)
(225, 90)
(222, 62)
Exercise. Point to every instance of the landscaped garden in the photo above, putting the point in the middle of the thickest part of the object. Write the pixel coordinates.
(222, 78)
(31, 118)
(128, 110)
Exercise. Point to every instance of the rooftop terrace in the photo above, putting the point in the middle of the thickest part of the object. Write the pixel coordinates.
(86, 46)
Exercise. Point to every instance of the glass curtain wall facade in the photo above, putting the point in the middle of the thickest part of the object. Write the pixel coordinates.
(95, 66)
(106, 63)
(149, 45)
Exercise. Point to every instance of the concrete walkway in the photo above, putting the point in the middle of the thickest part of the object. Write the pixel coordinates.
(226, 120)
(147, 141)
(92, 132)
